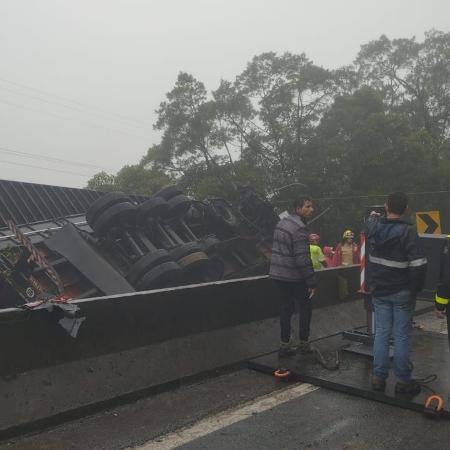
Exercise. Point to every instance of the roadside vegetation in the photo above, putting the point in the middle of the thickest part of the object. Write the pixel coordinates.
(380, 124)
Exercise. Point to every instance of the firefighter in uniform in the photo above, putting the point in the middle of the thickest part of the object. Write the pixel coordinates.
(443, 288)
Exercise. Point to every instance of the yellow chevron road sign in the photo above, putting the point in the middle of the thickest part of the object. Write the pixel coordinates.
(429, 222)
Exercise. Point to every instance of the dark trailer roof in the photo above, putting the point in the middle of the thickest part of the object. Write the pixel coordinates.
(29, 203)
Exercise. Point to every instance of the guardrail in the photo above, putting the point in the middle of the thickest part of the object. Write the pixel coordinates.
(133, 342)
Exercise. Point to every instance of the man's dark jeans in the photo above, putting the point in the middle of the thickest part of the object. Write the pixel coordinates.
(291, 293)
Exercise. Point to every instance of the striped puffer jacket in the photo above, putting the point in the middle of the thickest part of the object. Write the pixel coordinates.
(291, 259)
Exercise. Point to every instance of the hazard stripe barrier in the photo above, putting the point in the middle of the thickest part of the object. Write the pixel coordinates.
(36, 256)
(362, 264)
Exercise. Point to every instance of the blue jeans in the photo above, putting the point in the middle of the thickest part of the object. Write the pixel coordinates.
(393, 315)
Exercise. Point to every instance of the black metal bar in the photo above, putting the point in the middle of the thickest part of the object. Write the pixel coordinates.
(146, 242)
(54, 263)
(173, 235)
(164, 235)
(188, 231)
(358, 336)
(131, 241)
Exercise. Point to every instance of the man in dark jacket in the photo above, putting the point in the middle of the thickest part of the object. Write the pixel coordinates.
(292, 270)
(396, 273)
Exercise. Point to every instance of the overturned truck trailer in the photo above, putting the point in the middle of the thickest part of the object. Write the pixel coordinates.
(65, 243)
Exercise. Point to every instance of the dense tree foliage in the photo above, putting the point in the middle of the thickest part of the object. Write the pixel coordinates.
(380, 124)
(135, 179)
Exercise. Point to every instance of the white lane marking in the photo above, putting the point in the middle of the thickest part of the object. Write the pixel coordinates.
(226, 418)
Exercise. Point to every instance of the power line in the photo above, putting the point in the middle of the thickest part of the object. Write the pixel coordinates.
(51, 159)
(361, 197)
(75, 102)
(45, 168)
(70, 107)
(355, 197)
(71, 119)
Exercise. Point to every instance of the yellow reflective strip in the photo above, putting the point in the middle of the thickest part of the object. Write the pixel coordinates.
(441, 300)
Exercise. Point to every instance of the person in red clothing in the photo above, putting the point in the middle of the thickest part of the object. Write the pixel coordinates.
(329, 256)
(347, 251)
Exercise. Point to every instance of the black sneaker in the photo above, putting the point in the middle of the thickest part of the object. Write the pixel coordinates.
(378, 384)
(410, 387)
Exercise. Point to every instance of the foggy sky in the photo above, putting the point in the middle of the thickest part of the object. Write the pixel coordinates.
(80, 80)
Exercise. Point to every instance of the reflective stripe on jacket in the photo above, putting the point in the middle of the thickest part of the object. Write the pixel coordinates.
(396, 258)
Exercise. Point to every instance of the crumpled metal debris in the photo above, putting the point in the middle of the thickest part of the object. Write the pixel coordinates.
(70, 322)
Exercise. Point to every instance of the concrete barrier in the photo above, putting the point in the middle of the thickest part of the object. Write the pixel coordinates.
(137, 341)
(433, 245)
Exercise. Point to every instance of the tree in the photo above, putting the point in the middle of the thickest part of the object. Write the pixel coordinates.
(363, 143)
(363, 149)
(415, 78)
(380, 124)
(102, 181)
(138, 180)
(131, 179)
(186, 119)
(273, 107)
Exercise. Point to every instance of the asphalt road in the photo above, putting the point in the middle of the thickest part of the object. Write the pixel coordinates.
(330, 420)
(321, 419)
(138, 422)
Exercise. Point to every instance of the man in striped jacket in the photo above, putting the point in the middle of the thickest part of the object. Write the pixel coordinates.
(292, 270)
(396, 273)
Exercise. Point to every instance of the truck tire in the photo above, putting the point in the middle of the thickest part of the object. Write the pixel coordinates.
(224, 213)
(165, 275)
(103, 203)
(209, 244)
(146, 263)
(179, 205)
(193, 261)
(184, 250)
(115, 215)
(154, 207)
